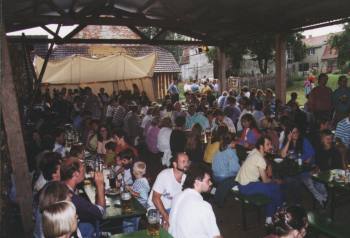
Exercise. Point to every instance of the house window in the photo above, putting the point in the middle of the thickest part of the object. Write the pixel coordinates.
(314, 65)
(311, 51)
(304, 67)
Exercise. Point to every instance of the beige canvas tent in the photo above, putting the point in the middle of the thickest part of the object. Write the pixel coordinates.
(114, 72)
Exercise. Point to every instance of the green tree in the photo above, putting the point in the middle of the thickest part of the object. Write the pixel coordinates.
(151, 32)
(295, 41)
(261, 49)
(341, 42)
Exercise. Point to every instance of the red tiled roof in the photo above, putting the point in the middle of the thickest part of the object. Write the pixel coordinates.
(106, 32)
(165, 60)
(316, 41)
(329, 53)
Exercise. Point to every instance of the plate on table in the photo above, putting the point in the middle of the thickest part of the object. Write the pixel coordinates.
(278, 160)
(112, 191)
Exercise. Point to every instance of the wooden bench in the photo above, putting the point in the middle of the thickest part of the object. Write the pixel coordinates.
(321, 224)
(255, 200)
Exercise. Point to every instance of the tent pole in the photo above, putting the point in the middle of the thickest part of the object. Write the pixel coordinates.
(43, 68)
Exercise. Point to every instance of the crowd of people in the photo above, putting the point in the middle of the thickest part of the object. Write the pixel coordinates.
(170, 153)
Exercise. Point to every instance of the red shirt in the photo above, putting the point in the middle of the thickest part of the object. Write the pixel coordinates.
(320, 99)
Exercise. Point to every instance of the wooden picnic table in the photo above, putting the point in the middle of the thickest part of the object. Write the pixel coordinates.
(288, 168)
(143, 234)
(339, 190)
(113, 205)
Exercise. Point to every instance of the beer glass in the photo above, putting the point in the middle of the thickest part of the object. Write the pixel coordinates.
(126, 202)
(153, 223)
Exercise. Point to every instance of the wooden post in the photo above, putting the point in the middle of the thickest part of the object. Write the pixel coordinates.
(281, 71)
(222, 69)
(13, 128)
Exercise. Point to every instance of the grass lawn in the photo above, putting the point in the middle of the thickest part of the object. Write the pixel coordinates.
(298, 87)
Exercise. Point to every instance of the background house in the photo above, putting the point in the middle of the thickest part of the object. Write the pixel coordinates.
(320, 56)
(194, 64)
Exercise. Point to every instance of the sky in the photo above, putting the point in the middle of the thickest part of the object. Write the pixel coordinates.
(66, 29)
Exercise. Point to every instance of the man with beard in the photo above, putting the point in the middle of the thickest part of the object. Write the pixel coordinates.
(190, 215)
(168, 183)
(253, 178)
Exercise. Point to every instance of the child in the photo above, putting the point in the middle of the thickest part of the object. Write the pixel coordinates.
(140, 190)
(110, 156)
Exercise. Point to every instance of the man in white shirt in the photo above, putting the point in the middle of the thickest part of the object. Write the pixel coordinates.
(190, 215)
(168, 183)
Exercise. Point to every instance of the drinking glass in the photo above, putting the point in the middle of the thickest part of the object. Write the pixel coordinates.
(153, 222)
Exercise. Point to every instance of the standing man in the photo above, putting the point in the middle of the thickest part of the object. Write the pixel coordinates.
(174, 91)
(341, 99)
(168, 184)
(320, 99)
(190, 215)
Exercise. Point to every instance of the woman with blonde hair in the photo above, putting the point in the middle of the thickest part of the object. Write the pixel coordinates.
(59, 220)
(52, 192)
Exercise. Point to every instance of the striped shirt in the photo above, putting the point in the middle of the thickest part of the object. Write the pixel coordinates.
(343, 131)
(142, 187)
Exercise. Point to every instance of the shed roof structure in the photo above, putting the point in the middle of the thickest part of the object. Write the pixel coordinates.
(209, 21)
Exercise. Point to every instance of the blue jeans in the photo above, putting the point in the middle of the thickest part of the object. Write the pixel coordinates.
(271, 190)
(87, 230)
(131, 224)
(224, 185)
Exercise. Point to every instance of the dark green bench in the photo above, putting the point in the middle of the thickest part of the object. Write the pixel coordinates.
(255, 200)
(323, 225)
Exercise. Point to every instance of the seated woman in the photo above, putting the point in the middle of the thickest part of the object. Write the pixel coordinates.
(225, 167)
(289, 222)
(103, 137)
(297, 145)
(250, 133)
(59, 220)
(214, 144)
(53, 192)
(194, 147)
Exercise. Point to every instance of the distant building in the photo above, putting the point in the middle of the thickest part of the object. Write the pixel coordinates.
(320, 56)
(195, 65)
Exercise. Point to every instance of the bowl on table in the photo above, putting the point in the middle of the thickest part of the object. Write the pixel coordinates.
(278, 160)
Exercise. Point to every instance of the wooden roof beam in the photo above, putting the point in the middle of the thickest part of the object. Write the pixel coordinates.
(146, 6)
(138, 32)
(113, 41)
(54, 34)
(74, 32)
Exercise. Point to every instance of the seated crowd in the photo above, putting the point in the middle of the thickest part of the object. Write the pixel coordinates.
(162, 153)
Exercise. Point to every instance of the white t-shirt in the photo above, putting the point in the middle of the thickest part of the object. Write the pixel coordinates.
(191, 216)
(167, 185)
